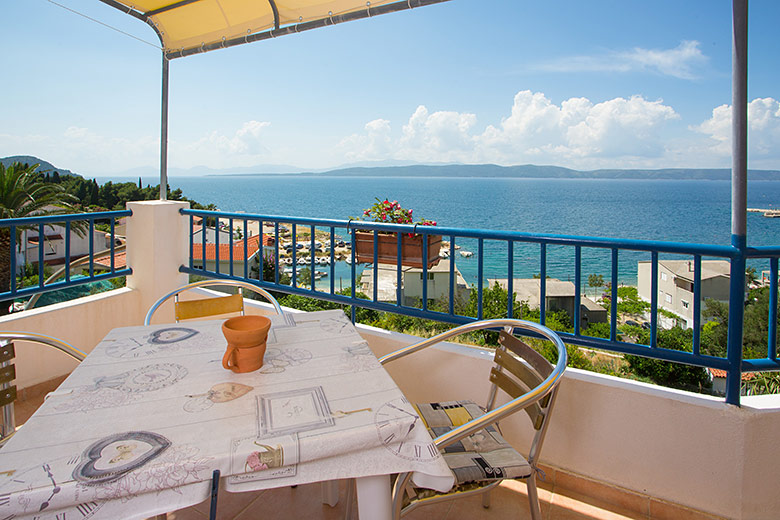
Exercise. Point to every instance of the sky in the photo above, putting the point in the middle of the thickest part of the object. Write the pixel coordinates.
(584, 85)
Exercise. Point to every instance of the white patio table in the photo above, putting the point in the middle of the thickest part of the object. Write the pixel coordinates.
(141, 424)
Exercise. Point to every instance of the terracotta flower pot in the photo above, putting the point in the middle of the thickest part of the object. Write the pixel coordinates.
(387, 247)
(246, 337)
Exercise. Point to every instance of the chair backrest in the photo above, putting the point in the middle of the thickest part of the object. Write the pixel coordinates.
(8, 372)
(518, 369)
(189, 309)
(525, 375)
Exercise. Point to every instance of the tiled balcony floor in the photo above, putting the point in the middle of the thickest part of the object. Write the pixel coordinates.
(591, 500)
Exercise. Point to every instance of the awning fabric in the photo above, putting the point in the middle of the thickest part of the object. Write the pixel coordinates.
(191, 26)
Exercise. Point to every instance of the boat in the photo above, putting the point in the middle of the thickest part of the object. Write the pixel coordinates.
(466, 254)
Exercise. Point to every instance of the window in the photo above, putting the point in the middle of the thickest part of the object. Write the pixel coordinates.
(685, 304)
(668, 298)
(430, 276)
(663, 277)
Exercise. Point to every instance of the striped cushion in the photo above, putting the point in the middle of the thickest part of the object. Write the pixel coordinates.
(481, 457)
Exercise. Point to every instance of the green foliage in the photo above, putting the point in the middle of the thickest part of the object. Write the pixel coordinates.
(762, 383)
(114, 196)
(629, 302)
(755, 327)
(305, 303)
(595, 280)
(597, 330)
(675, 375)
(755, 330)
(304, 276)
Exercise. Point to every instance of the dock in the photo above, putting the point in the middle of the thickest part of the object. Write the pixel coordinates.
(769, 213)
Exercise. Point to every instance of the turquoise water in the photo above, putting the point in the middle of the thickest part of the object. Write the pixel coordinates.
(681, 211)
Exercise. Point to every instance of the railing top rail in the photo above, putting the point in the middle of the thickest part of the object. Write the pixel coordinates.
(762, 251)
(64, 217)
(541, 238)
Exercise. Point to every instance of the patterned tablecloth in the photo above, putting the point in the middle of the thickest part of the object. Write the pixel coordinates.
(138, 428)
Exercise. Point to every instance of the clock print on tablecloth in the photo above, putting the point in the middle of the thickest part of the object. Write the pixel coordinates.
(144, 379)
(38, 491)
(397, 425)
(159, 340)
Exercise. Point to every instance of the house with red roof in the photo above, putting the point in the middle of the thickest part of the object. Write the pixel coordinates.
(246, 251)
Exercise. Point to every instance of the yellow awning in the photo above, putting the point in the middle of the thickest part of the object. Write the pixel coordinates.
(191, 26)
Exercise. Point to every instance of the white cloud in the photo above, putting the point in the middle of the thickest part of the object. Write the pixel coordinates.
(679, 62)
(245, 141)
(577, 132)
(763, 132)
(375, 144)
(440, 136)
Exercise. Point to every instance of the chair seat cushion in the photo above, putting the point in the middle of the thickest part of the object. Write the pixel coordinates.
(483, 456)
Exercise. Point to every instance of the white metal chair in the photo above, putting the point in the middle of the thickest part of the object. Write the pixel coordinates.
(467, 435)
(8, 372)
(200, 308)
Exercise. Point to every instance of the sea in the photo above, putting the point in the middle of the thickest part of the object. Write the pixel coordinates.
(692, 211)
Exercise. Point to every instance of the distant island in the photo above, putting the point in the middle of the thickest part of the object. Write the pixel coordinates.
(530, 171)
(527, 171)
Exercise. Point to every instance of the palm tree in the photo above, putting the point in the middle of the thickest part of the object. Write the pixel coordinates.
(23, 193)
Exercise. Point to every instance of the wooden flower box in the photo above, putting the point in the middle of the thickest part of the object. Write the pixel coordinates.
(387, 249)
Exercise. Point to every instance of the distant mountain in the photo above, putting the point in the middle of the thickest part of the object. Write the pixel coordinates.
(29, 159)
(401, 169)
(546, 172)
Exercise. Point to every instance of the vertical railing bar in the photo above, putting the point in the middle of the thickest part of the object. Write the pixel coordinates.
(91, 247)
(113, 239)
(203, 239)
(654, 299)
(452, 275)
(216, 245)
(332, 264)
(192, 239)
(398, 276)
(375, 292)
(577, 290)
(313, 256)
(245, 238)
(510, 278)
(41, 237)
(696, 305)
(772, 329)
(294, 254)
(353, 281)
(542, 283)
(67, 251)
(424, 259)
(613, 297)
(230, 245)
(480, 267)
(276, 254)
(12, 245)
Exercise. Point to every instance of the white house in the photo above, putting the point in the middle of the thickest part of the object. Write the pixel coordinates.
(559, 295)
(675, 284)
(53, 243)
(412, 283)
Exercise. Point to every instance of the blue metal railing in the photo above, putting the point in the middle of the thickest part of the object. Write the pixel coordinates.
(732, 363)
(68, 226)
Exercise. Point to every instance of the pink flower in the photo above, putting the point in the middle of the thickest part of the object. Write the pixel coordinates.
(253, 461)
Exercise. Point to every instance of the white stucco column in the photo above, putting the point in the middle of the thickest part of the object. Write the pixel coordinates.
(157, 245)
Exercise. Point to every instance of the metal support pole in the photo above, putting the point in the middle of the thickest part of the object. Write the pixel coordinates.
(738, 197)
(164, 131)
